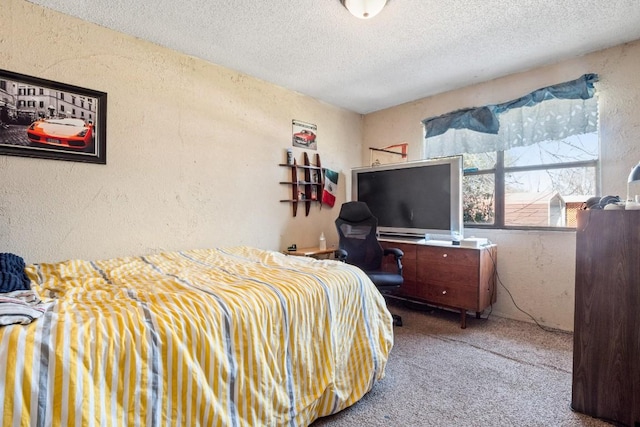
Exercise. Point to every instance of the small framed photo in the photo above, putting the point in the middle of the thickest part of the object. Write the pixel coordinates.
(51, 120)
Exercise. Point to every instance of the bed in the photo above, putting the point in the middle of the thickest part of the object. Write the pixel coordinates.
(222, 337)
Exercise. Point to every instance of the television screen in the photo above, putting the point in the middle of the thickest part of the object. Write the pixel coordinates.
(414, 198)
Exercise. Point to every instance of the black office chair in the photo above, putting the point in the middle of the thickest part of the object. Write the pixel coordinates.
(359, 246)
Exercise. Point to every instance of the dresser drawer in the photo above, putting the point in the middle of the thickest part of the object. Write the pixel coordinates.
(449, 255)
(440, 273)
(451, 296)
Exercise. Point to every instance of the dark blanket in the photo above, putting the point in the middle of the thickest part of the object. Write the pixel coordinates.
(12, 275)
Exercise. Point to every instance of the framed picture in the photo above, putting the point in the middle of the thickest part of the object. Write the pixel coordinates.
(304, 135)
(51, 120)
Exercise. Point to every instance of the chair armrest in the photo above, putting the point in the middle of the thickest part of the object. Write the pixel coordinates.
(397, 254)
(394, 251)
(341, 255)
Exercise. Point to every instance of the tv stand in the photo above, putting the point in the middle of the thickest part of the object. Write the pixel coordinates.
(445, 275)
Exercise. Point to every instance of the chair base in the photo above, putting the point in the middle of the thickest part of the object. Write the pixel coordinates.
(397, 320)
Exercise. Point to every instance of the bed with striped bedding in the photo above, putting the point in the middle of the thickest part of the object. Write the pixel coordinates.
(213, 337)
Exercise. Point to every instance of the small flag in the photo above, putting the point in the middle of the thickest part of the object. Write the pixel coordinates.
(330, 187)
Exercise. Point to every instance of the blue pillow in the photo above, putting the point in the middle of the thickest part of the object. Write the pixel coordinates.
(12, 274)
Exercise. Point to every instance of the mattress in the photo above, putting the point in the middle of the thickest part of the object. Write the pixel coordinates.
(223, 337)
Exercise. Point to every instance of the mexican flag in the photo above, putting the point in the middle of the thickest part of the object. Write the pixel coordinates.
(330, 187)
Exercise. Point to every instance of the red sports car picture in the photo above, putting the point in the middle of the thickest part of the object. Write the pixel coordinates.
(65, 133)
(305, 137)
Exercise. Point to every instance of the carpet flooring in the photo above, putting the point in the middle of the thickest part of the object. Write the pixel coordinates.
(496, 372)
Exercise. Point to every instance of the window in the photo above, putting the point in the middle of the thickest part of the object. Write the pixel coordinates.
(529, 163)
(543, 185)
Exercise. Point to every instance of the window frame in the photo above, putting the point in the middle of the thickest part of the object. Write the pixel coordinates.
(500, 171)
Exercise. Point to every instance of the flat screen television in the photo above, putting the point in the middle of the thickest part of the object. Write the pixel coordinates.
(421, 199)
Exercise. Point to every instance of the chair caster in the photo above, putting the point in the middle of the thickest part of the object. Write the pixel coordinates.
(397, 320)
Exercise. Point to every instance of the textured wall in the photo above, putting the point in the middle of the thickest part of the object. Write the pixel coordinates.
(192, 150)
(538, 268)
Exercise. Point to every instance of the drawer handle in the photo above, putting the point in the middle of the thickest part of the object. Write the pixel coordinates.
(444, 292)
(444, 255)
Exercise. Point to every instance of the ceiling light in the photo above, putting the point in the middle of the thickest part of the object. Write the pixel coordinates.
(364, 9)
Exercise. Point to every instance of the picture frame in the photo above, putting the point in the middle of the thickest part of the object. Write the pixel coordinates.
(304, 135)
(51, 120)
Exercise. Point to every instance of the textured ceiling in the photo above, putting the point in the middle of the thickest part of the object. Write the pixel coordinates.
(413, 49)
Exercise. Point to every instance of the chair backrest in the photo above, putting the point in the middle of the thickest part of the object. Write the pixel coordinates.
(357, 227)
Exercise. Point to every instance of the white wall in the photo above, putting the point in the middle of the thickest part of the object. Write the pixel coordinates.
(192, 150)
(538, 268)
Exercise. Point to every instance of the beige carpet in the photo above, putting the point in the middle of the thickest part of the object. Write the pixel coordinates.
(496, 372)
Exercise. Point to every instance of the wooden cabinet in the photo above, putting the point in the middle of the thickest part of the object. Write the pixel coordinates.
(606, 338)
(307, 183)
(448, 276)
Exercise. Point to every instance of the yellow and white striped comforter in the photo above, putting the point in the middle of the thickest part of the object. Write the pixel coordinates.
(237, 337)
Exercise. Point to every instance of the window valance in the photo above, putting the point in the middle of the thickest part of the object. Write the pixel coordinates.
(552, 112)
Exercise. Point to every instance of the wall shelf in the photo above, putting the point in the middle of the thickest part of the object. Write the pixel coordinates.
(307, 182)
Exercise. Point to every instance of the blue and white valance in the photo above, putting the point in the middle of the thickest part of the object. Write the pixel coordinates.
(549, 113)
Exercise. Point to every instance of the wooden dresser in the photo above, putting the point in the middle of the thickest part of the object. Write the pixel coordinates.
(448, 276)
(606, 339)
